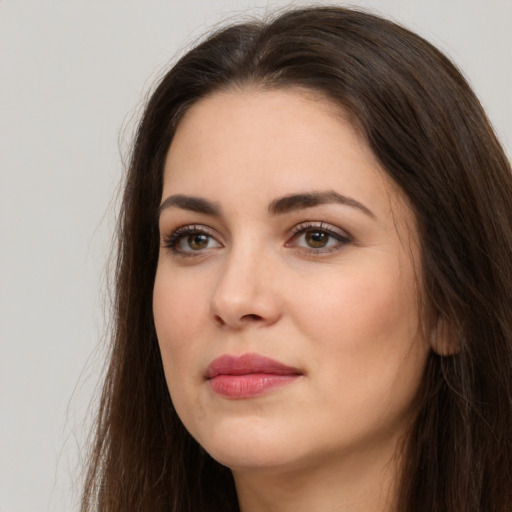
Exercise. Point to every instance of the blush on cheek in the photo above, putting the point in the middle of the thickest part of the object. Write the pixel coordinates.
(179, 331)
(175, 314)
(364, 316)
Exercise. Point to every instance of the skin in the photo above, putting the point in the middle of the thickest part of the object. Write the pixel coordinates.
(345, 314)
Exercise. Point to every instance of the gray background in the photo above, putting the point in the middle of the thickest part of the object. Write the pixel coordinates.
(73, 75)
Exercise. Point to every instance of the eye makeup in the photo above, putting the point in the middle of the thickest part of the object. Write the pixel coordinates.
(318, 238)
(309, 237)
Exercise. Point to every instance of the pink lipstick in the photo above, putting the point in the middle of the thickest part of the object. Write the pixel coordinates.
(248, 375)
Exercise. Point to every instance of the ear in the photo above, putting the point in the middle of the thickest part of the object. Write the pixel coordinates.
(445, 339)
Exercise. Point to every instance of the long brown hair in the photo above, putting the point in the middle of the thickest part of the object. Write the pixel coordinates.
(429, 132)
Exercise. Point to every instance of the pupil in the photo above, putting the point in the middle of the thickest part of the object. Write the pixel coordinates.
(316, 238)
(197, 241)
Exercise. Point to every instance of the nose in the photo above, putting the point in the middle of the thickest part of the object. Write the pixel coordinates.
(246, 292)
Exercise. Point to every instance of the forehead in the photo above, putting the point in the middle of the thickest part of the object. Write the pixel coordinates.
(272, 143)
(258, 115)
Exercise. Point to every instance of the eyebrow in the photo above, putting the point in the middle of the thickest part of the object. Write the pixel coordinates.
(278, 206)
(191, 203)
(310, 199)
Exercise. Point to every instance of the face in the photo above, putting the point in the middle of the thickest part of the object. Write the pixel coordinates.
(286, 297)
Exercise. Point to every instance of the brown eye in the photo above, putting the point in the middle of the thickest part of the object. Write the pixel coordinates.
(198, 241)
(190, 240)
(316, 239)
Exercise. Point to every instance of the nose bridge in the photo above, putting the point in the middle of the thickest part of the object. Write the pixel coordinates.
(243, 290)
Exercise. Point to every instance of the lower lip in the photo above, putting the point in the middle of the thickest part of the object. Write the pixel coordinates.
(249, 385)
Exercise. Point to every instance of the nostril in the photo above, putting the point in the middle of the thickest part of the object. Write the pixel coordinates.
(243, 319)
(218, 320)
(252, 317)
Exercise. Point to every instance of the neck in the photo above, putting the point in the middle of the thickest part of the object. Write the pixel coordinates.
(354, 482)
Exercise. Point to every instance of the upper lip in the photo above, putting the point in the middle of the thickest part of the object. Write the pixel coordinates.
(246, 364)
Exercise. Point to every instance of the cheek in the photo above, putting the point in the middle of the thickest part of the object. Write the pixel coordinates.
(179, 308)
(178, 311)
(368, 358)
(179, 314)
(365, 315)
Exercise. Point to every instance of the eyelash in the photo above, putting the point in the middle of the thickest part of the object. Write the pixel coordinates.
(172, 241)
(320, 227)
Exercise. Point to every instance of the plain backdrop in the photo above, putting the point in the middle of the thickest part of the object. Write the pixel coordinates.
(73, 77)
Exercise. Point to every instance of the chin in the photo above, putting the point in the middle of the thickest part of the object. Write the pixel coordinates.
(248, 444)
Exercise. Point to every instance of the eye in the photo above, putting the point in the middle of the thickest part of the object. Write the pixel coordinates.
(318, 238)
(190, 240)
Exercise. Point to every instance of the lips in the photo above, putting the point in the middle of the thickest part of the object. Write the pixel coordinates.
(248, 375)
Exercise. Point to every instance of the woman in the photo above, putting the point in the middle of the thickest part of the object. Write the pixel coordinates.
(314, 282)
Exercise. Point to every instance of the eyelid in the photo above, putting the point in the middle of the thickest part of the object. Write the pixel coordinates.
(342, 237)
(171, 240)
(321, 226)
